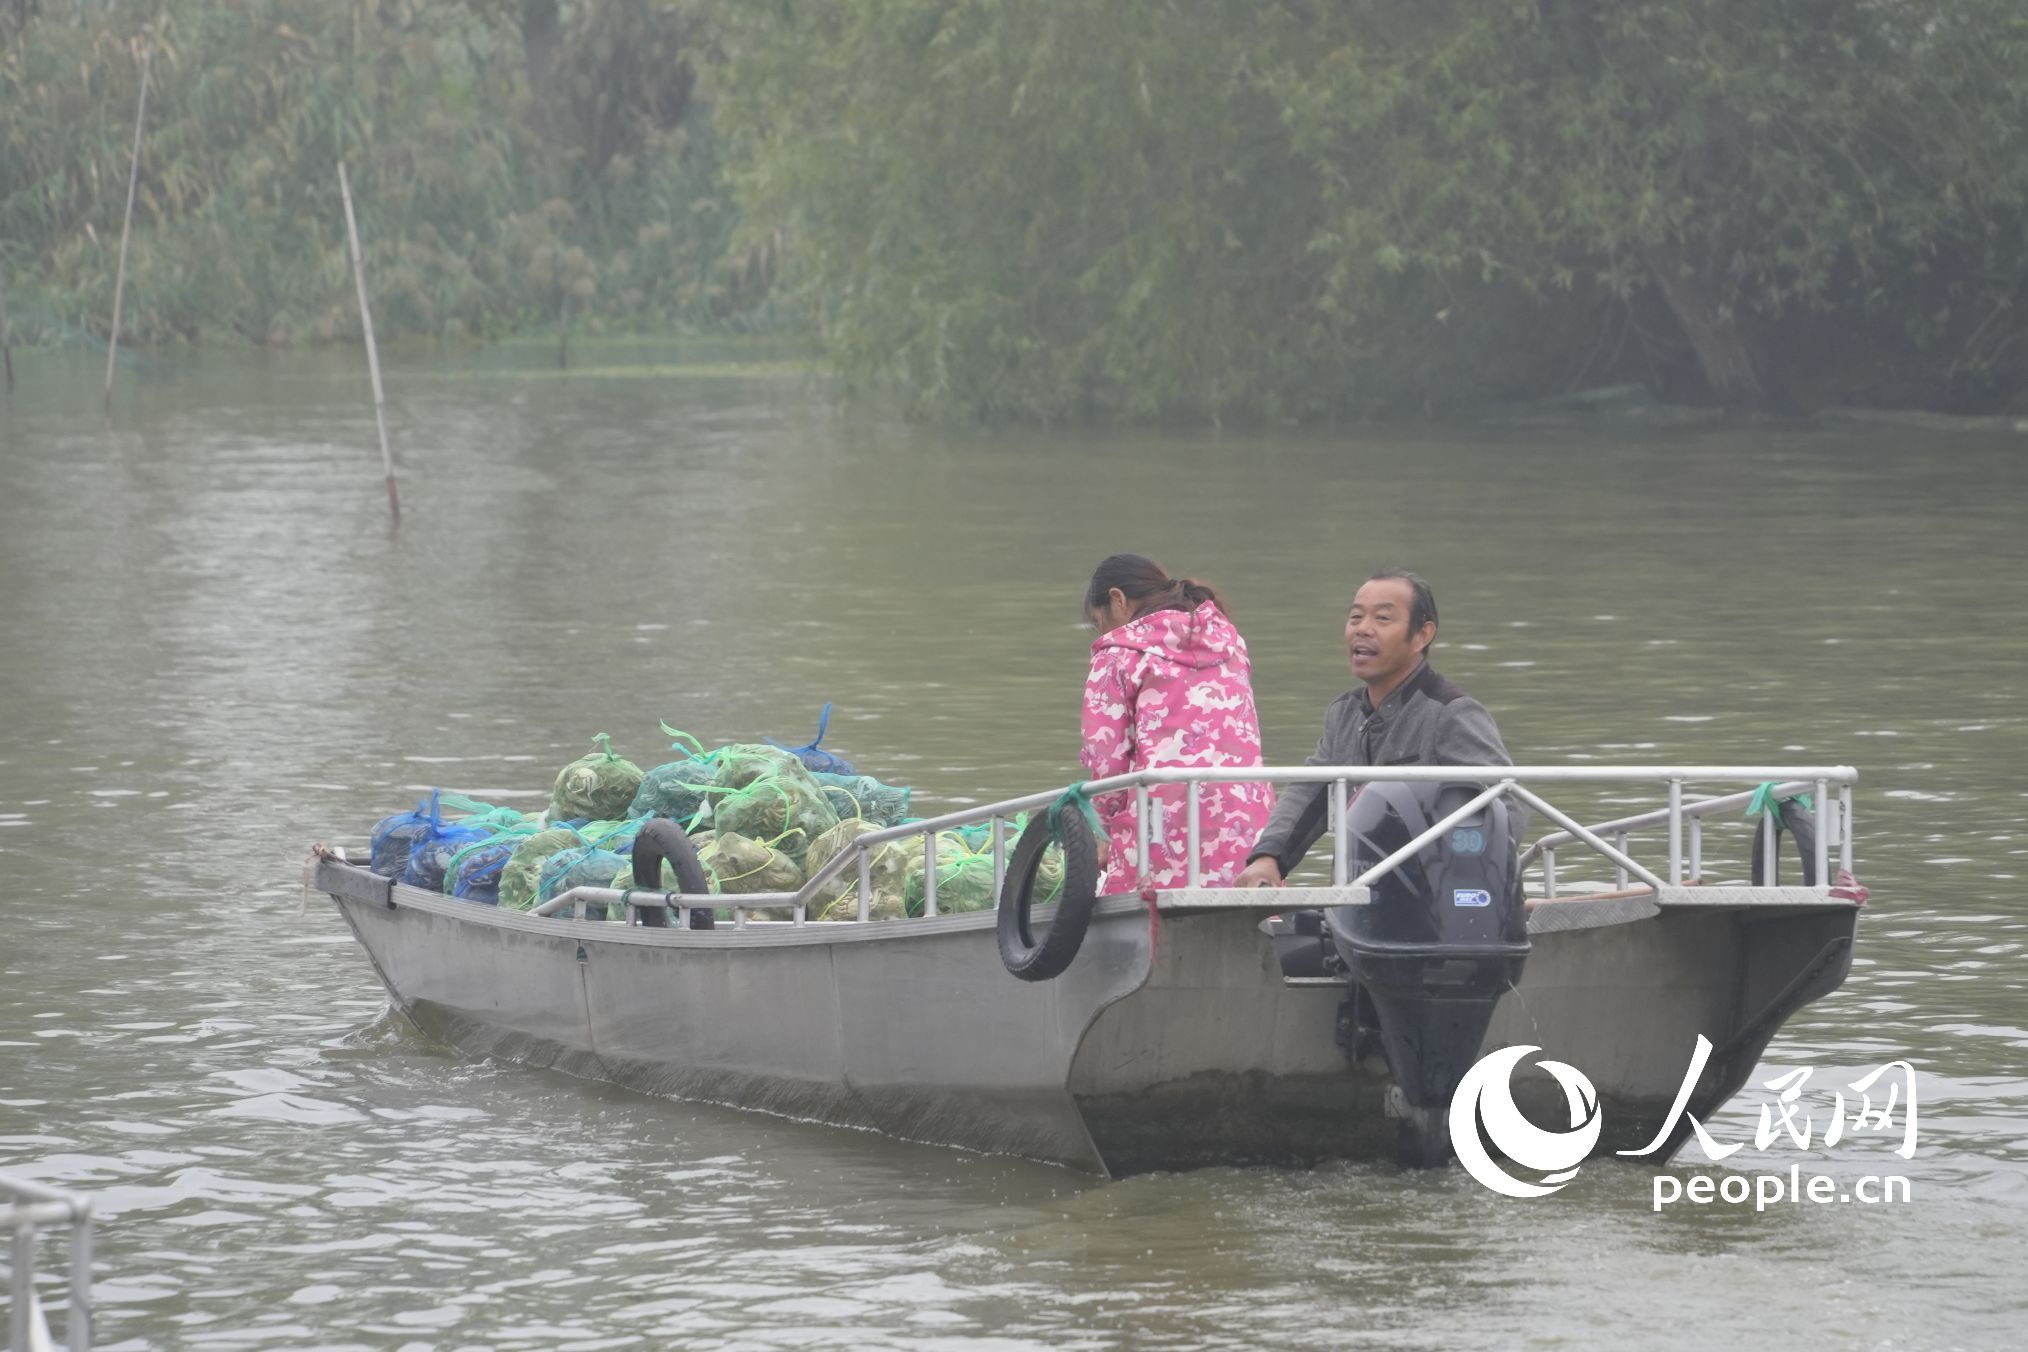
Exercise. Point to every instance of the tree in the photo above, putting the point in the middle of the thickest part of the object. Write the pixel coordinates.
(1290, 207)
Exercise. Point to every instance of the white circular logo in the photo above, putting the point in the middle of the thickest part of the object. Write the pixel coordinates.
(1485, 1097)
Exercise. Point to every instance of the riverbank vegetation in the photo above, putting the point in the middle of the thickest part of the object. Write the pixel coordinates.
(1141, 209)
(516, 165)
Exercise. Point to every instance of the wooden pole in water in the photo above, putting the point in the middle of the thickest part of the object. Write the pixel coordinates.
(6, 338)
(372, 352)
(133, 180)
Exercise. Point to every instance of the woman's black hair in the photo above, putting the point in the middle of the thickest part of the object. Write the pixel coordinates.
(1147, 586)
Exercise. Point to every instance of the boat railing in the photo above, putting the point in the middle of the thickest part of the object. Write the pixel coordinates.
(1833, 825)
(27, 1209)
(1684, 817)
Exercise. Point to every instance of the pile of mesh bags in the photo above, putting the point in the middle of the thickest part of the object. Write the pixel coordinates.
(763, 817)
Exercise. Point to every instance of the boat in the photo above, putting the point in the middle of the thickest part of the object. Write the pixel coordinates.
(1195, 1025)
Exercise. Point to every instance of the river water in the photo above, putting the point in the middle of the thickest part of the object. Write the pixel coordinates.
(214, 650)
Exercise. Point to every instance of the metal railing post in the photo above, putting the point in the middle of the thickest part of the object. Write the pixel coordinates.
(23, 1286)
(1845, 827)
(929, 873)
(1549, 874)
(1676, 831)
(1341, 853)
(1697, 849)
(1192, 804)
(1824, 834)
(999, 837)
(78, 1334)
(1581, 832)
(1620, 870)
(865, 882)
(1141, 827)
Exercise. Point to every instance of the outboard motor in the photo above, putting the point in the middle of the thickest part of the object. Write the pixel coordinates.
(1442, 938)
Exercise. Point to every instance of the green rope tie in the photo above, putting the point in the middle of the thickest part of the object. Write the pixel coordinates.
(1074, 797)
(1764, 802)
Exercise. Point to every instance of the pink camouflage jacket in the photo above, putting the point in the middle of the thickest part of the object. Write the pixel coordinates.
(1173, 689)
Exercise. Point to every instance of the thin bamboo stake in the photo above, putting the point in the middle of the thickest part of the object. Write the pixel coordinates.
(133, 181)
(372, 352)
(6, 335)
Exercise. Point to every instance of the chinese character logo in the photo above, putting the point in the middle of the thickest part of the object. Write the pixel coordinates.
(1485, 1102)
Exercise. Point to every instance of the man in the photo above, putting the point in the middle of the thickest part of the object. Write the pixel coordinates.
(1402, 714)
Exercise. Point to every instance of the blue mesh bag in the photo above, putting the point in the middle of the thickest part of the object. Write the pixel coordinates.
(473, 873)
(814, 757)
(431, 853)
(394, 836)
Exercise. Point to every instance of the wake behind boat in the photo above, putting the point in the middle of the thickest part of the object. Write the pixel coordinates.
(1193, 1025)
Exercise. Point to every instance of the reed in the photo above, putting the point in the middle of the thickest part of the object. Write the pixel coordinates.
(6, 338)
(372, 352)
(127, 225)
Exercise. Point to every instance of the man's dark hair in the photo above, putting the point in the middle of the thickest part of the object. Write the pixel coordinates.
(1423, 607)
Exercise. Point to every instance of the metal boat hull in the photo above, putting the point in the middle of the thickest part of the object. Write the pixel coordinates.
(1166, 1045)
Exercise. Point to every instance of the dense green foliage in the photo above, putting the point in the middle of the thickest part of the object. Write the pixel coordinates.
(507, 161)
(1284, 207)
(1038, 209)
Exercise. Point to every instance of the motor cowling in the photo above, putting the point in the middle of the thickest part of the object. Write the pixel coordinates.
(1442, 937)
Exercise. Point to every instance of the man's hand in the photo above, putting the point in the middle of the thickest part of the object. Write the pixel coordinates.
(1262, 872)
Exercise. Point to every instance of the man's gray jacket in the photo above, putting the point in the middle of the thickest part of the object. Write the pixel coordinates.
(1425, 721)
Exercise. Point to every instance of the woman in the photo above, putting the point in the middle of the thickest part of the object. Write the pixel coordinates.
(1170, 687)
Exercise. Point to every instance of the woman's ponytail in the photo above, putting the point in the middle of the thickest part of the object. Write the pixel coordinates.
(1147, 586)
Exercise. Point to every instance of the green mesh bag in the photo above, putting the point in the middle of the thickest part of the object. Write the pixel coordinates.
(964, 877)
(522, 873)
(979, 836)
(824, 849)
(617, 836)
(786, 807)
(599, 785)
(498, 819)
(827, 845)
(678, 791)
(739, 865)
(886, 870)
(625, 878)
(581, 866)
(889, 897)
(865, 797)
(741, 763)
(1048, 873)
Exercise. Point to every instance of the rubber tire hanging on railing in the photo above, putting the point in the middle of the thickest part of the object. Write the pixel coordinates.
(1019, 950)
(662, 841)
(1799, 822)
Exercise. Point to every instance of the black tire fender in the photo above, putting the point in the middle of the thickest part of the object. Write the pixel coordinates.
(1800, 824)
(1023, 955)
(662, 841)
